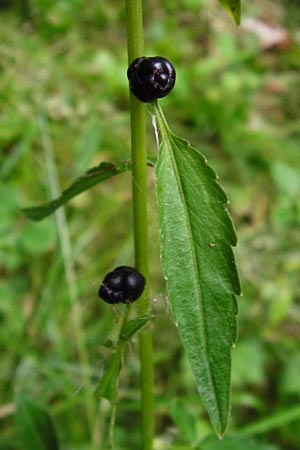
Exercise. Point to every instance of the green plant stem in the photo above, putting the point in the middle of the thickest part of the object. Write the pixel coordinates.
(114, 400)
(119, 350)
(135, 44)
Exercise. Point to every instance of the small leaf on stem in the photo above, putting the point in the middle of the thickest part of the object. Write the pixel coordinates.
(92, 177)
(107, 386)
(133, 326)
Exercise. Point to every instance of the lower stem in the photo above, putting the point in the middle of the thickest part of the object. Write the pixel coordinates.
(139, 201)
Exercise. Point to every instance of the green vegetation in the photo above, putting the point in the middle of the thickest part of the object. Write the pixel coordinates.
(64, 109)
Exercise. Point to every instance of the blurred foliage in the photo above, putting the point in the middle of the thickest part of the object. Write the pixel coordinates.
(63, 98)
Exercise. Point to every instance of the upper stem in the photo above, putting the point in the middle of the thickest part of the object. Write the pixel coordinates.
(135, 45)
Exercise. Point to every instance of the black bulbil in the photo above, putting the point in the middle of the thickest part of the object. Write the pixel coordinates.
(151, 78)
(123, 285)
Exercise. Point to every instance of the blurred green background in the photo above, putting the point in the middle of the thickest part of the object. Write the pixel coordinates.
(64, 109)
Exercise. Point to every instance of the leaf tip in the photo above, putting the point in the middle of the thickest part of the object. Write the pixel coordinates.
(233, 7)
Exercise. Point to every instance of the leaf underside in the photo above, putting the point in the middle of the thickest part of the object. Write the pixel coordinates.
(198, 264)
(234, 9)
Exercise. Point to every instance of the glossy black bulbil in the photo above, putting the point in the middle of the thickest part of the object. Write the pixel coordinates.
(151, 78)
(123, 285)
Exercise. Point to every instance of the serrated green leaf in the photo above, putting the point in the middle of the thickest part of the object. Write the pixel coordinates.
(92, 177)
(234, 9)
(196, 235)
(133, 326)
(34, 426)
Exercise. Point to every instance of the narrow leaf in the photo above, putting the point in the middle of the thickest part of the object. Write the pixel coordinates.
(34, 426)
(108, 384)
(234, 9)
(92, 177)
(196, 235)
(133, 326)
